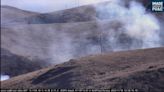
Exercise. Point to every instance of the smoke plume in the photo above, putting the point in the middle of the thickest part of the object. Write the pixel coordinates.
(130, 27)
(139, 28)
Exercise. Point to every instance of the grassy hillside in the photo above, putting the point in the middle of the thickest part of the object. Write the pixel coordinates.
(138, 69)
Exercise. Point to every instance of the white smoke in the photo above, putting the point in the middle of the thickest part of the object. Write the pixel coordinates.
(68, 47)
(62, 51)
(140, 26)
(4, 77)
(135, 29)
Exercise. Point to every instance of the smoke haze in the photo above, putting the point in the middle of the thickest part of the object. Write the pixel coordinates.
(135, 29)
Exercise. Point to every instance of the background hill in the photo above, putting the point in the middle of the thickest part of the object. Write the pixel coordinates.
(13, 16)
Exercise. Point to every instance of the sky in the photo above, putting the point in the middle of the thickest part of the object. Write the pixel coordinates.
(44, 6)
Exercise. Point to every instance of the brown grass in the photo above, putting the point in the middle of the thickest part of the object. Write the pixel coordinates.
(139, 69)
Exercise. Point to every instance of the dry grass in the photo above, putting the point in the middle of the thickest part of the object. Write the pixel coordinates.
(140, 69)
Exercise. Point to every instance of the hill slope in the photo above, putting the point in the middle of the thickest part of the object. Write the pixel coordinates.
(14, 65)
(139, 69)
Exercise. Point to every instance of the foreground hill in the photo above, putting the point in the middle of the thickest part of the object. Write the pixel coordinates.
(139, 69)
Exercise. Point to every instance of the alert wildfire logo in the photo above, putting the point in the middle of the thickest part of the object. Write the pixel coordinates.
(157, 5)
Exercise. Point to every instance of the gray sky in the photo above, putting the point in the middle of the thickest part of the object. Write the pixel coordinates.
(47, 5)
